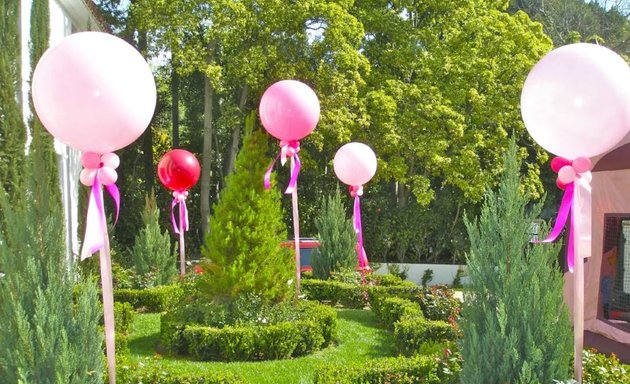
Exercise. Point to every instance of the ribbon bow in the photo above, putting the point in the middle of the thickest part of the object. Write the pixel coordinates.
(98, 170)
(356, 191)
(574, 177)
(179, 198)
(288, 149)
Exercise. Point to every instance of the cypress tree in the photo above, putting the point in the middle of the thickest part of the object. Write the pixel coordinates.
(152, 255)
(46, 336)
(42, 141)
(12, 129)
(338, 240)
(515, 324)
(242, 249)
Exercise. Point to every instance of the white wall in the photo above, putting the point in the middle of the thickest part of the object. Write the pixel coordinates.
(442, 273)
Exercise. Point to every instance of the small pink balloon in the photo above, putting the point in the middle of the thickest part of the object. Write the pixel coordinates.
(582, 164)
(289, 110)
(575, 100)
(559, 162)
(110, 160)
(90, 160)
(94, 92)
(86, 177)
(566, 174)
(355, 164)
(108, 175)
(561, 185)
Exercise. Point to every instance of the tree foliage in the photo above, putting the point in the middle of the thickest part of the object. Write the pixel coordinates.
(338, 240)
(46, 336)
(242, 250)
(153, 257)
(515, 323)
(12, 129)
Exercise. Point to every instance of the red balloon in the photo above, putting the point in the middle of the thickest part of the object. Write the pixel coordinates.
(559, 162)
(178, 170)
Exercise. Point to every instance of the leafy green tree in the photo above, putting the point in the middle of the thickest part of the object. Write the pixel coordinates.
(242, 250)
(47, 336)
(338, 240)
(12, 129)
(515, 323)
(153, 257)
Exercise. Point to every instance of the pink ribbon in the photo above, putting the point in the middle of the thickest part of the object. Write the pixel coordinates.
(357, 192)
(561, 220)
(95, 229)
(179, 198)
(96, 239)
(288, 149)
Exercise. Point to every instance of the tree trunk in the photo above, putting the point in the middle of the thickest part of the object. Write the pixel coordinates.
(236, 133)
(206, 156)
(175, 104)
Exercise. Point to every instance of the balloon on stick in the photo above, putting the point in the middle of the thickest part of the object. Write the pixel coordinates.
(355, 164)
(96, 93)
(289, 111)
(179, 170)
(574, 104)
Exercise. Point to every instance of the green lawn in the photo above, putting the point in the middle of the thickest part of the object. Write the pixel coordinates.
(361, 338)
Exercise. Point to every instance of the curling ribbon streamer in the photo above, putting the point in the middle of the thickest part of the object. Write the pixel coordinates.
(179, 198)
(357, 192)
(95, 226)
(96, 240)
(288, 149)
(578, 202)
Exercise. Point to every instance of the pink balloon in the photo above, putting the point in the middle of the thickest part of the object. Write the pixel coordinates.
(289, 110)
(94, 92)
(566, 174)
(559, 162)
(561, 185)
(110, 160)
(355, 163)
(90, 160)
(108, 175)
(575, 101)
(86, 177)
(582, 164)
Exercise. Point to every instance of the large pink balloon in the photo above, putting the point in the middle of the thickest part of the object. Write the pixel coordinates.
(576, 100)
(94, 92)
(289, 110)
(355, 163)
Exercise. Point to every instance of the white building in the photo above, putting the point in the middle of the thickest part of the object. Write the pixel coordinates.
(66, 17)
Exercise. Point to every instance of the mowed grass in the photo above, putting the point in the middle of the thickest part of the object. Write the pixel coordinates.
(361, 338)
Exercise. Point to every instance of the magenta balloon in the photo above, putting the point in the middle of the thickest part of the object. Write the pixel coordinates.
(576, 100)
(94, 92)
(289, 110)
(355, 164)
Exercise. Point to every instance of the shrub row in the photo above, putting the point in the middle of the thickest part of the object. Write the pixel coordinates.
(141, 373)
(157, 299)
(392, 309)
(335, 292)
(438, 303)
(314, 328)
(377, 294)
(353, 295)
(400, 370)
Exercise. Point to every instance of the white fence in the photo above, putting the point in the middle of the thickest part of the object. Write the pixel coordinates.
(442, 273)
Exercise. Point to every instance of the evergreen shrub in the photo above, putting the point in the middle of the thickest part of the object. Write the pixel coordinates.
(156, 299)
(515, 323)
(411, 333)
(154, 261)
(337, 238)
(599, 368)
(394, 308)
(242, 250)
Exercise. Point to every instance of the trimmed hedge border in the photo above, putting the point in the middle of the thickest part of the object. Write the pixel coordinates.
(334, 292)
(152, 300)
(397, 370)
(135, 373)
(243, 343)
(410, 333)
